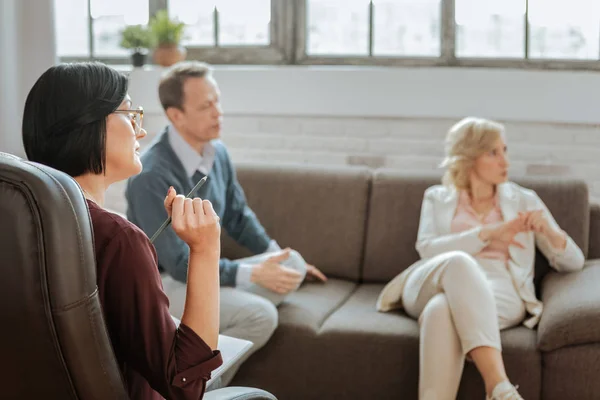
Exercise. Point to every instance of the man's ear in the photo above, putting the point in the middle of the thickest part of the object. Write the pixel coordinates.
(174, 114)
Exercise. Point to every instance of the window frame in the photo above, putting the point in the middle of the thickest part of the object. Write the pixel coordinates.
(277, 52)
(288, 33)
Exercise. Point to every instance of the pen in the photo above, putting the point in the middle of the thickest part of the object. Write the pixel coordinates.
(168, 220)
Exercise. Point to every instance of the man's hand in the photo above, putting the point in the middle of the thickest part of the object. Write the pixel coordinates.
(313, 274)
(272, 275)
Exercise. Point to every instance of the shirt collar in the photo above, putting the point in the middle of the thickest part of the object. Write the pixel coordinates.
(189, 157)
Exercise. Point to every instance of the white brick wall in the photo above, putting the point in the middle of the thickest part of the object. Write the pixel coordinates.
(398, 117)
(407, 143)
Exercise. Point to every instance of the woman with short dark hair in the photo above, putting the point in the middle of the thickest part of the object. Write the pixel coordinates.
(79, 119)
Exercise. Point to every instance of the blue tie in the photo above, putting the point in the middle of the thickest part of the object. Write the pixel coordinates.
(195, 178)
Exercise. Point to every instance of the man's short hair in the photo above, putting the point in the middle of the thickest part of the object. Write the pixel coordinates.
(170, 89)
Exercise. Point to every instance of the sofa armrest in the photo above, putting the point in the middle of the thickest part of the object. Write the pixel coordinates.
(238, 393)
(571, 313)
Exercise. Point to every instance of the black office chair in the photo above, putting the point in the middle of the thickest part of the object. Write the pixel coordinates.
(53, 340)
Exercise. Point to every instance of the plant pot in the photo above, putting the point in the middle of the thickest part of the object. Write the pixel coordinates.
(168, 54)
(138, 59)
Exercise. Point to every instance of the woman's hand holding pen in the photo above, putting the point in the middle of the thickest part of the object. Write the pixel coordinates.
(194, 221)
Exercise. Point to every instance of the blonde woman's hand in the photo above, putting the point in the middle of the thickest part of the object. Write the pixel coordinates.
(537, 222)
(503, 233)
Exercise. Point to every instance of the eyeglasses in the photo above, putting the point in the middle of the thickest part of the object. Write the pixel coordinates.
(136, 116)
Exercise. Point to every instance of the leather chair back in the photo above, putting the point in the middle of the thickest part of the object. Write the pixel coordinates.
(53, 340)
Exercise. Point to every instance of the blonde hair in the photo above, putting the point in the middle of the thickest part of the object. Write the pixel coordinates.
(465, 142)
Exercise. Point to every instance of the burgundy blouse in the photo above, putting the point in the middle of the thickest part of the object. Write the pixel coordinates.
(157, 358)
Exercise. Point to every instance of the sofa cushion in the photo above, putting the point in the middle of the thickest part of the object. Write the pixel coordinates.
(313, 303)
(572, 373)
(394, 213)
(571, 308)
(321, 213)
(290, 365)
(389, 344)
(395, 207)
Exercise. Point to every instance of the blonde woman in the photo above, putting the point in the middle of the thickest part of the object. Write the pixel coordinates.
(477, 238)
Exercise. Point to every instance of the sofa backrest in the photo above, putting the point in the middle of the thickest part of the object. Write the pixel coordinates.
(394, 213)
(358, 224)
(319, 212)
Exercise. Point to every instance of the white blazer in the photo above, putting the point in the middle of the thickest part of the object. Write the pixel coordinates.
(435, 237)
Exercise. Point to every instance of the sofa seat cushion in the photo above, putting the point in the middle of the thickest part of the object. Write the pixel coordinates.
(313, 303)
(572, 373)
(387, 345)
(290, 365)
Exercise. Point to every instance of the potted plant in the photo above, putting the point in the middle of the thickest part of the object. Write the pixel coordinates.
(139, 39)
(167, 34)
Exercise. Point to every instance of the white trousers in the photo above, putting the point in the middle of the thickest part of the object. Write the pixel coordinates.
(461, 303)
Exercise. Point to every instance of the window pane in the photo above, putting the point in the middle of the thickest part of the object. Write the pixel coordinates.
(198, 17)
(110, 17)
(244, 22)
(71, 27)
(337, 27)
(406, 27)
(490, 28)
(564, 29)
(240, 22)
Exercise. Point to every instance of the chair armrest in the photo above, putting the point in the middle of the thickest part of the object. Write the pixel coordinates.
(238, 393)
(571, 314)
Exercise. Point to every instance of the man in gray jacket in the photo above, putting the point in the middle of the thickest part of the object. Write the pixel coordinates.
(186, 151)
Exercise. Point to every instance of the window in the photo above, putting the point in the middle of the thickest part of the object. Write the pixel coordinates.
(109, 17)
(490, 28)
(406, 28)
(71, 25)
(240, 23)
(101, 20)
(216, 30)
(377, 28)
(518, 33)
(536, 29)
(562, 29)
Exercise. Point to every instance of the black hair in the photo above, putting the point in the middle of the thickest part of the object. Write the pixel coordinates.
(64, 121)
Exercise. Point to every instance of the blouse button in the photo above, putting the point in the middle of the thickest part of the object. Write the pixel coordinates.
(183, 379)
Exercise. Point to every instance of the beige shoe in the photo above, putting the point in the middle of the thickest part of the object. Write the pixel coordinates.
(505, 391)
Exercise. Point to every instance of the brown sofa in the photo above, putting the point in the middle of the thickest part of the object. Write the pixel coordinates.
(360, 228)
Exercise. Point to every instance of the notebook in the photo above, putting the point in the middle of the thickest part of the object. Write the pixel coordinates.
(232, 349)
